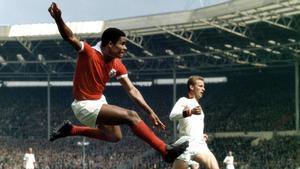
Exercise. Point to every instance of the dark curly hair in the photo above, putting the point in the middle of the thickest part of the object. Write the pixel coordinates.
(111, 34)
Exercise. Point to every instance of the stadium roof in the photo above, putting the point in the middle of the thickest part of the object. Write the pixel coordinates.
(236, 35)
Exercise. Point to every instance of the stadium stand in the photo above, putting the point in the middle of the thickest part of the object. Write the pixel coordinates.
(24, 123)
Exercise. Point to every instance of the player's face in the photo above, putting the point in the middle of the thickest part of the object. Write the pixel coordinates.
(199, 89)
(119, 49)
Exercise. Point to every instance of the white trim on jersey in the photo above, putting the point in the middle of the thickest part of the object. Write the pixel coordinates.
(82, 46)
(97, 47)
(122, 76)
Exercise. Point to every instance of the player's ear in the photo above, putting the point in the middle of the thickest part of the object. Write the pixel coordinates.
(191, 87)
(110, 44)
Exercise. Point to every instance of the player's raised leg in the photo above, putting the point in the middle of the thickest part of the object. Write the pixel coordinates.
(87, 112)
(113, 115)
(110, 133)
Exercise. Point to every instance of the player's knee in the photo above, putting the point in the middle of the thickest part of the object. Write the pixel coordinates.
(133, 116)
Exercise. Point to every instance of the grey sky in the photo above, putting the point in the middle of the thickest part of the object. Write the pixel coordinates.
(35, 11)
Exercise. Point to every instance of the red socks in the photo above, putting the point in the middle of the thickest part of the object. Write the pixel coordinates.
(140, 129)
(145, 133)
(88, 132)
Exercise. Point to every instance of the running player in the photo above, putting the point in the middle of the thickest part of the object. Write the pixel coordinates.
(190, 116)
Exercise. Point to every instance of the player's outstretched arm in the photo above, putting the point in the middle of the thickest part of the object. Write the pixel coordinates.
(137, 97)
(64, 30)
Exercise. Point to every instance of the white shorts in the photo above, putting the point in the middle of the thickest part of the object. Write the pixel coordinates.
(196, 146)
(230, 166)
(86, 111)
(191, 162)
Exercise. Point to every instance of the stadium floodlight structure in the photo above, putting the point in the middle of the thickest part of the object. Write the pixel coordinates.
(169, 52)
(147, 52)
(21, 59)
(259, 64)
(41, 58)
(2, 61)
(229, 46)
(178, 61)
(83, 144)
(291, 40)
(195, 50)
(133, 56)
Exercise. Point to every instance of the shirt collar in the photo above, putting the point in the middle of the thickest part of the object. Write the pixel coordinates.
(97, 47)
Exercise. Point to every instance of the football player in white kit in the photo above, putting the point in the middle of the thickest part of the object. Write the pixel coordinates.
(190, 116)
(229, 160)
(29, 159)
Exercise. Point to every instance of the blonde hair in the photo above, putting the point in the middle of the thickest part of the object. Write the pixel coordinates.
(192, 80)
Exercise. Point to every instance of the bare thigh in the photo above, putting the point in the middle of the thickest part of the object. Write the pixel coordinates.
(207, 159)
(115, 115)
(179, 164)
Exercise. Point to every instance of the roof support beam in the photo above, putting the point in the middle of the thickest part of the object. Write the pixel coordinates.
(279, 21)
(136, 40)
(235, 29)
(180, 36)
(27, 44)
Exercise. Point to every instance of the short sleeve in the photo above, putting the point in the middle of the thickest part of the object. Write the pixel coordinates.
(121, 70)
(86, 49)
(82, 46)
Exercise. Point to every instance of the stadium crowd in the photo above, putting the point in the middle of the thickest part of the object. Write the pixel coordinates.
(277, 153)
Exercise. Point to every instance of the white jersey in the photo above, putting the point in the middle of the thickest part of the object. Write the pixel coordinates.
(192, 126)
(229, 162)
(29, 161)
(190, 129)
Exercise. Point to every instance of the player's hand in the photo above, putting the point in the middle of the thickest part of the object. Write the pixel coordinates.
(54, 11)
(196, 110)
(156, 121)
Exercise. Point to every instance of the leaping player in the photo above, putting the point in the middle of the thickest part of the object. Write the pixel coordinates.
(95, 66)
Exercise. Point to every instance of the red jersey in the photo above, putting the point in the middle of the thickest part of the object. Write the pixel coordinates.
(92, 73)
